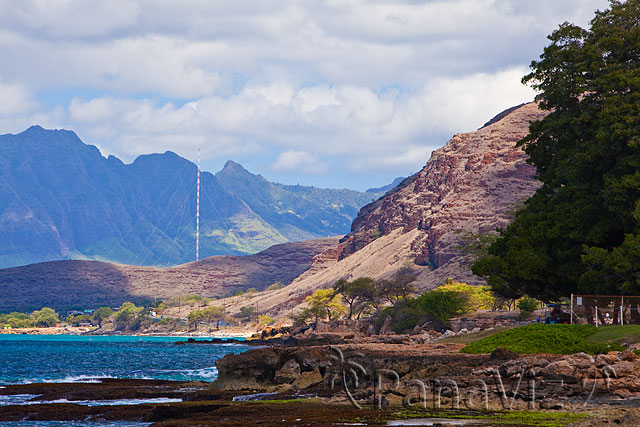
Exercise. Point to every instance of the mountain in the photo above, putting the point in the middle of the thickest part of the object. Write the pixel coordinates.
(61, 199)
(65, 285)
(295, 211)
(473, 184)
(387, 187)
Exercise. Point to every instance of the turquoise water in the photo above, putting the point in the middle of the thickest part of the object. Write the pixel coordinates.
(68, 358)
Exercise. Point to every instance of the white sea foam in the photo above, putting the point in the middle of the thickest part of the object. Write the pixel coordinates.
(113, 402)
(248, 397)
(16, 399)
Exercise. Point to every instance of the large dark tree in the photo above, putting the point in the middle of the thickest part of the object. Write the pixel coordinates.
(580, 232)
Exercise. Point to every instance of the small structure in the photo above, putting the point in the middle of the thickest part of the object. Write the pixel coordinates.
(605, 309)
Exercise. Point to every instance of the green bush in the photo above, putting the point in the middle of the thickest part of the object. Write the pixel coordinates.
(437, 306)
(539, 338)
(528, 304)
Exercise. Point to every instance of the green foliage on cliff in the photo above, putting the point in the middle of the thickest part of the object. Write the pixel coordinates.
(580, 232)
(539, 338)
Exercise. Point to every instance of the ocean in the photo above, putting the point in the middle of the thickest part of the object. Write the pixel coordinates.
(68, 358)
(73, 358)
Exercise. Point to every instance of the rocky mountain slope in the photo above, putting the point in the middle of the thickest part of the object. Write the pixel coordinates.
(90, 284)
(61, 199)
(472, 184)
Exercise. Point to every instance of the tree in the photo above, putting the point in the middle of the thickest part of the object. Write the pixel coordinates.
(195, 317)
(46, 317)
(127, 312)
(579, 232)
(247, 311)
(213, 314)
(359, 295)
(474, 297)
(435, 306)
(399, 286)
(101, 314)
(16, 320)
(324, 304)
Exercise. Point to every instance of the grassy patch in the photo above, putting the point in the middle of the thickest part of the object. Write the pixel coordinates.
(627, 334)
(539, 338)
(501, 418)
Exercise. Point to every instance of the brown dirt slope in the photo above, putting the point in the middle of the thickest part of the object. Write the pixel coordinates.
(89, 284)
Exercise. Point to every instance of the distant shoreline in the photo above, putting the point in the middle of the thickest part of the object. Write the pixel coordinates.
(94, 331)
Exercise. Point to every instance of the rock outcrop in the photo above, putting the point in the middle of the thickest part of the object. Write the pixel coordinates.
(501, 380)
(473, 184)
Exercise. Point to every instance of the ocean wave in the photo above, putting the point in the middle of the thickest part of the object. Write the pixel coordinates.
(114, 402)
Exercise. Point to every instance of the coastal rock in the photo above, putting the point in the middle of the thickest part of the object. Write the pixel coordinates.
(561, 370)
(288, 373)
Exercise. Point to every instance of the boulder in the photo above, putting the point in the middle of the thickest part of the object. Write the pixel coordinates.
(288, 373)
(502, 353)
(308, 379)
(561, 370)
(447, 334)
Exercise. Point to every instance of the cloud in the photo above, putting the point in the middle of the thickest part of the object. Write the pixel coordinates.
(290, 161)
(16, 99)
(301, 87)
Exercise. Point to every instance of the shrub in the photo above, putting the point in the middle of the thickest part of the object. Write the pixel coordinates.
(275, 286)
(263, 319)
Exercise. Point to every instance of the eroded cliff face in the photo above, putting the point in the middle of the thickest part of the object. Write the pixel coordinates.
(473, 184)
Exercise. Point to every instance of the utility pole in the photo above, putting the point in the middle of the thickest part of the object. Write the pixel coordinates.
(198, 211)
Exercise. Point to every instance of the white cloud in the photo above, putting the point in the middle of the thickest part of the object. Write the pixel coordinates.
(303, 86)
(290, 161)
(15, 99)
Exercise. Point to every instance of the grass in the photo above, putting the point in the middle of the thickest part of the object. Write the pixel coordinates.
(498, 418)
(627, 334)
(540, 338)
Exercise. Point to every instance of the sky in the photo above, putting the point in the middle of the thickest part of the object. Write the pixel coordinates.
(331, 93)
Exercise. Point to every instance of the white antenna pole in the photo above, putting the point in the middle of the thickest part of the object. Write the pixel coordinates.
(198, 211)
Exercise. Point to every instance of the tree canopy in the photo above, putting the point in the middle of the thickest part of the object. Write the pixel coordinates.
(580, 232)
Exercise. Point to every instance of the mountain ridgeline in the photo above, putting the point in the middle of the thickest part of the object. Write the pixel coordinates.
(61, 199)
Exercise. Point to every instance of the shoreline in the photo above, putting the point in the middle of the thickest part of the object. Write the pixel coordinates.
(94, 332)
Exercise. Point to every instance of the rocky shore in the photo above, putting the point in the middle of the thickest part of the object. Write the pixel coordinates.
(341, 374)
